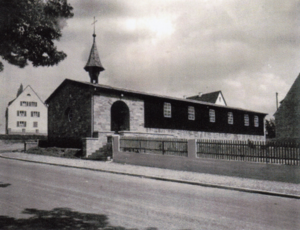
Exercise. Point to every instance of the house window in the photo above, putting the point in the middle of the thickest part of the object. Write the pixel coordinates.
(212, 115)
(246, 119)
(35, 124)
(21, 123)
(35, 114)
(256, 121)
(23, 103)
(230, 118)
(21, 113)
(32, 103)
(191, 113)
(167, 109)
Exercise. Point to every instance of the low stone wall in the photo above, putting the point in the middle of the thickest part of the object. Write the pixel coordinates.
(92, 144)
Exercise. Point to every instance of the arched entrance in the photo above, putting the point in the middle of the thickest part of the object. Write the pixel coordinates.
(119, 117)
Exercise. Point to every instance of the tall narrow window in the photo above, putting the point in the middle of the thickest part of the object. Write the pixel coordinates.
(35, 124)
(256, 121)
(246, 119)
(230, 118)
(191, 113)
(212, 115)
(167, 109)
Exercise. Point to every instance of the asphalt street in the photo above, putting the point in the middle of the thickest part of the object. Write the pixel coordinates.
(40, 196)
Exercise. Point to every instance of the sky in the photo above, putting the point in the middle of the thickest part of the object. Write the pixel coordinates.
(247, 49)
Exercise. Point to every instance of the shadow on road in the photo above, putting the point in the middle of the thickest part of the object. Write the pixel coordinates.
(3, 185)
(59, 218)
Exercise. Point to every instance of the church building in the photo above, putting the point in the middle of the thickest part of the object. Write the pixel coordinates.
(84, 114)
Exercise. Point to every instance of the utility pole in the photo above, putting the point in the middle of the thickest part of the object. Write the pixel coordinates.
(276, 100)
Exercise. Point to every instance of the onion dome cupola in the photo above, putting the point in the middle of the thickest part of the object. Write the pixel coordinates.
(93, 65)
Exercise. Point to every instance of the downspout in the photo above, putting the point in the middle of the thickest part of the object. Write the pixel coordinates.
(92, 115)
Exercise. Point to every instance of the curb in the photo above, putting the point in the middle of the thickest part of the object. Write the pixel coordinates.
(261, 192)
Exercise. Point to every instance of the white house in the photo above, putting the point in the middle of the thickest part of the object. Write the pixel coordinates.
(213, 97)
(26, 114)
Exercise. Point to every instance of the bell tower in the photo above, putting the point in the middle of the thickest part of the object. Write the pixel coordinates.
(93, 65)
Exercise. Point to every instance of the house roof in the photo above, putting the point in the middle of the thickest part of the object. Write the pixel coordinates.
(292, 95)
(208, 97)
(28, 86)
(99, 87)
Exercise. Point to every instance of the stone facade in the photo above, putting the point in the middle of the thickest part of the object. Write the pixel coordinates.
(69, 116)
(287, 116)
(81, 116)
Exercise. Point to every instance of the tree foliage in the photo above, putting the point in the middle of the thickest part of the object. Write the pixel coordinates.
(28, 29)
(270, 128)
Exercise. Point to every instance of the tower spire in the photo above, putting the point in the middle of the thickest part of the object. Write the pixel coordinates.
(93, 65)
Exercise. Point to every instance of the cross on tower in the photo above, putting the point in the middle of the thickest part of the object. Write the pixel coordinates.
(94, 22)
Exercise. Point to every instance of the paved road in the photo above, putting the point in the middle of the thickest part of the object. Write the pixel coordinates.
(56, 197)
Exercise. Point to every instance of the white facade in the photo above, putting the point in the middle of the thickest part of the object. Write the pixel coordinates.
(220, 100)
(27, 114)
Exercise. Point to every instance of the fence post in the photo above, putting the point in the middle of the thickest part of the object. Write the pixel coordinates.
(192, 148)
(115, 145)
(163, 148)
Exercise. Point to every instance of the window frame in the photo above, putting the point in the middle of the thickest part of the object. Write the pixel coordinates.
(230, 118)
(191, 113)
(167, 110)
(256, 121)
(246, 120)
(212, 115)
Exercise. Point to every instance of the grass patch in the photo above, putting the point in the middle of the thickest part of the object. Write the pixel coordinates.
(56, 152)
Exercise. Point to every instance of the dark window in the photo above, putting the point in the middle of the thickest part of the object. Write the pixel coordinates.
(21, 123)
(21, 113)
(35, 114)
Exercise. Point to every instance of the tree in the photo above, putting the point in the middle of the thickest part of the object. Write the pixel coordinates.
(270, 128)
(28, 29)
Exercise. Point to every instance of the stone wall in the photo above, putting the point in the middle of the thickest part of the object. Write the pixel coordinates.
(287, 116)
(102, 112)
(102, 122)
(69, 117)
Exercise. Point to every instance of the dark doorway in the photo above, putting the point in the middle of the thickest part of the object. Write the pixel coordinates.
(119, 117)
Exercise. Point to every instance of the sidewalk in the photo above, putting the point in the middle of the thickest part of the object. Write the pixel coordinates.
(273, 188)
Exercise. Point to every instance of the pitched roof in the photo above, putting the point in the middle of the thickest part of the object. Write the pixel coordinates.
(28, 86)
(292, 96)
(208, 97)
(94, 60)
(97, 87)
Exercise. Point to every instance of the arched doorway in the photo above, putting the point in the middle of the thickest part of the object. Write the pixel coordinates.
(119, 117)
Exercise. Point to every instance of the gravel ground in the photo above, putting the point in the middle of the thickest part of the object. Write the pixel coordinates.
(235, 182)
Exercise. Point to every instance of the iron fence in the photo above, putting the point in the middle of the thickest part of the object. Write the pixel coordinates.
(253, 151)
